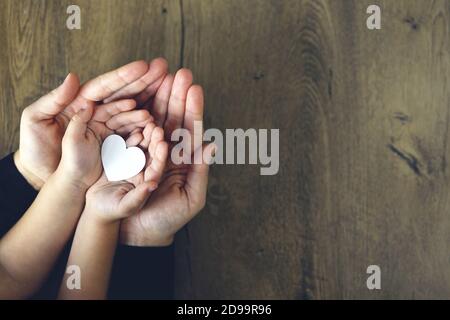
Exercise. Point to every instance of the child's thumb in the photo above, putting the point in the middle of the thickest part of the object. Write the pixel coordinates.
(78, 124)
(136, 198)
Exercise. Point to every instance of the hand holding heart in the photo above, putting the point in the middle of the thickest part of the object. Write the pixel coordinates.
(44, 122)
(124, 188)
(181, 194)
(110, 101)
(80, 163)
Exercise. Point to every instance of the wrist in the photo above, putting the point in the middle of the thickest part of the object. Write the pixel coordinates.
(63, 183)
(31, 178)
(135, 240)
(97, 220)
(96, 216)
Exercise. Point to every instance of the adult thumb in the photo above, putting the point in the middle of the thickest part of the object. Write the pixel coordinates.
(54, 102)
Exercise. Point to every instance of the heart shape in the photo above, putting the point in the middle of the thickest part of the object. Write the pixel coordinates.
(120, 162)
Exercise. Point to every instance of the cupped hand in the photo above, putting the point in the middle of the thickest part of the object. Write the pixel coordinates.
(110, 201)
(80, 161)
(44, 122)
(182, 191)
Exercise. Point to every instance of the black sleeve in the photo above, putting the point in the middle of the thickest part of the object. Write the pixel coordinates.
(16, 195)
(138, 273)
(142, 273)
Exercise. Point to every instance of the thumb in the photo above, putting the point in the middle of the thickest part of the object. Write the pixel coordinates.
(134, 200)
(78, 124)
(54, 102)
(197, 177)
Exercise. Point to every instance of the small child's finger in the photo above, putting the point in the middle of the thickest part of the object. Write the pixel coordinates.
(150, 174)
(147, 135)
(135, 138)
(156, 169)
(162, 151)
(157, 136)
(78, 124)
(85, 114)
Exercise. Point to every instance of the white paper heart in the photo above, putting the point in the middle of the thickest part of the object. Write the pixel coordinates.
(119, 162)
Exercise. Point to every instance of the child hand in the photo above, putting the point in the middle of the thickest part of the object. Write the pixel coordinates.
(110, 201)
(85, 133)
(80, 161)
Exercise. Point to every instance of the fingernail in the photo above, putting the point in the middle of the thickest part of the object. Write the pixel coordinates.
(67, 77)
(152, 186)
(76, 117)
(80, 114)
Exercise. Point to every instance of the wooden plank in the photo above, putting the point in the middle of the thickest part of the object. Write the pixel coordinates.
(363, 118)
(38, 50)
(363, 150)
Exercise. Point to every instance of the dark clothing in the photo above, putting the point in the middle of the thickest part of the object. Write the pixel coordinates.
(138, 273)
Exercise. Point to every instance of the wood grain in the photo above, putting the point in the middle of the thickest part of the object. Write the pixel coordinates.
(37, 50)
(363, 118)
(363, 171)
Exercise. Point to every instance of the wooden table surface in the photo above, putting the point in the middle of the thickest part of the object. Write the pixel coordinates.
(364, 128)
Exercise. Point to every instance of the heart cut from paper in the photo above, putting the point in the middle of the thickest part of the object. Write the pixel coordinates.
(120, 162)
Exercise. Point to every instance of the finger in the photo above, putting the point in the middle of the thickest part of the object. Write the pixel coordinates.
(127, 118)
(102, 180)
(197, 179)
(147, 134)
(53, 103)
(136, 198)
(78, 124)
(194, 115)
(129, 128)
(100, 130)
(157, 136)
(134, 139)
(150, 81)
(106, 111)
(161, 101)
(177, 101)
(156, 169)
(109, 83)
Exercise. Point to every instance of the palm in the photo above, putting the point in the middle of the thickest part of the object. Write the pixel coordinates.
(182, 191)
(41, 149)
(165, 212)
(41, 146)
(44, 122)
(108, 195)
(116, 200)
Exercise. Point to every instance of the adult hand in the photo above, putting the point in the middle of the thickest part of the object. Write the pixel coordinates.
(44, 122)
(182, 191)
